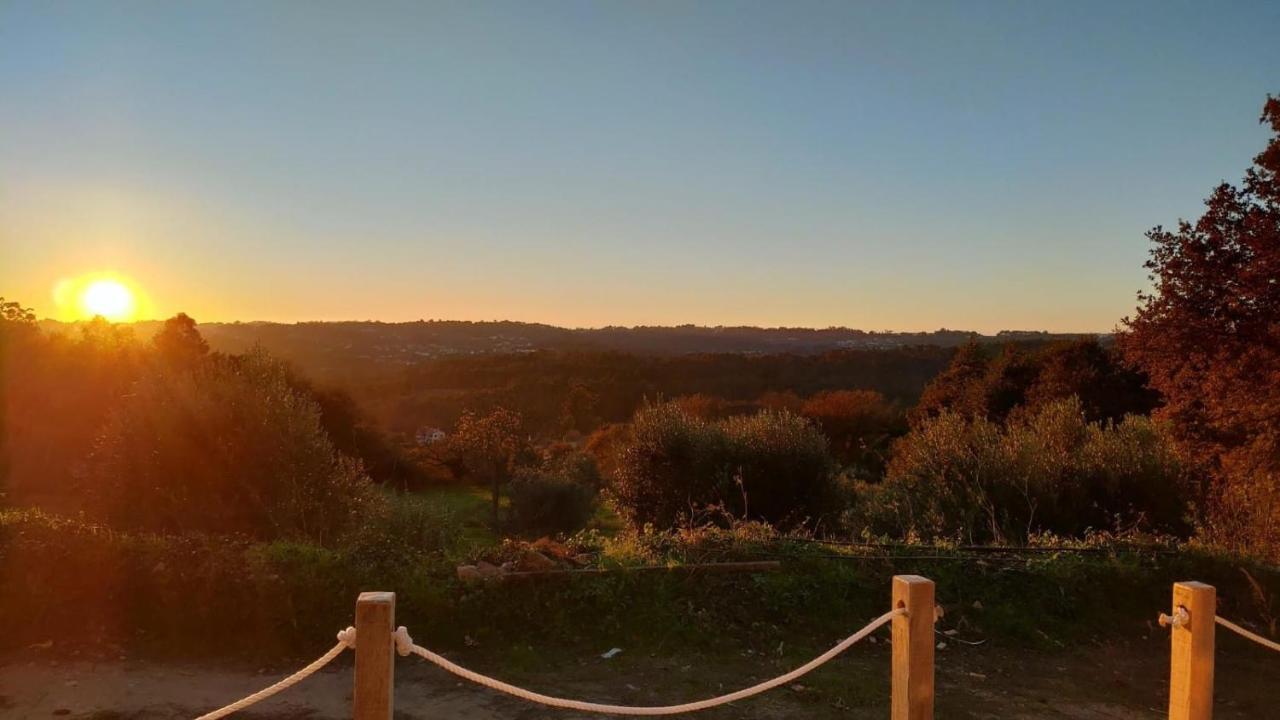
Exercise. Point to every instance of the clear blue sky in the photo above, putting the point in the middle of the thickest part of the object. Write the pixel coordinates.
(975, 165)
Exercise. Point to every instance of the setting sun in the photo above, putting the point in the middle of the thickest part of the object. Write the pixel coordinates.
(108, 298)
(106, 294)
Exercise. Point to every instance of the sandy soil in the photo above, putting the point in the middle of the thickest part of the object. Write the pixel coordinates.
(1096, 682)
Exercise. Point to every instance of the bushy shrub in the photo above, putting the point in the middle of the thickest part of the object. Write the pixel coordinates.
(405, 527)
(546, 504)
(771, 466)
(226, 447)
(963, 478)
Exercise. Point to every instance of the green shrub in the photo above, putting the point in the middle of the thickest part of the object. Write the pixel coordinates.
(227, 447)
(546, 504)
(969, 479)
(406, 528)
(772, 466)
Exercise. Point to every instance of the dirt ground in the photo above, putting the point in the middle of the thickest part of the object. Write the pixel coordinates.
(1091, 682)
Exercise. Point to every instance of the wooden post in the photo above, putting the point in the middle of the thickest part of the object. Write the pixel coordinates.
(1191, 661)
(913, 649)
(375, 655)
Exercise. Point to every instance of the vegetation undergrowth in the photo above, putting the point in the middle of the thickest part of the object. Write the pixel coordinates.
(168, 595)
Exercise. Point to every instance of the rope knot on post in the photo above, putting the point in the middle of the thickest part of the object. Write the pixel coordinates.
(348, 637)
(404, 643)
(1179, 618)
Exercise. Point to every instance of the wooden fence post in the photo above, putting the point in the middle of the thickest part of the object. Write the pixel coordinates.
(1191, 659)
(375, 655)
(913, 649)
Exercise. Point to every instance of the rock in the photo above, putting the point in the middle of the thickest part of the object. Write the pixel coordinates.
(534, 561)
(942, 646)
(488, 570)
(469, 573)
(977, 604)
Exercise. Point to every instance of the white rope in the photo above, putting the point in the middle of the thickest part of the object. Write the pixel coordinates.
(405, 645)
(1182, 618)
(1264, 642)
(346, 639)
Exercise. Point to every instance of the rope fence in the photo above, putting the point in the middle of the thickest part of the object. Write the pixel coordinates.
(592, 707)
(913, 613)
(346, 639)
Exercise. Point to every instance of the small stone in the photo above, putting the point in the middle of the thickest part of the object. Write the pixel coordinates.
(977, 604)
(942, 646)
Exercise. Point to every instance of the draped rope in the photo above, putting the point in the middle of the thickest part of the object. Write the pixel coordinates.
(1264, 642)
(405, 646)
(346, 639)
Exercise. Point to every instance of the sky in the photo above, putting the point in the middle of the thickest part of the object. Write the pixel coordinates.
(907, 166)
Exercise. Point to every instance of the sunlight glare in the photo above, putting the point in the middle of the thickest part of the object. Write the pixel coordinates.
(108, 298)
(106, 294)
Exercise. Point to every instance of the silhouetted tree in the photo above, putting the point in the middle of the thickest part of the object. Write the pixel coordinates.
(1208, 335)
(13, 312)
(179, 341)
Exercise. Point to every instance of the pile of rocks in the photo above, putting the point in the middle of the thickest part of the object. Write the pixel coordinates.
(542, 556)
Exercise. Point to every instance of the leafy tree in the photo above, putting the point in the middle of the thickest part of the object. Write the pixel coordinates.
(179, 341)
(229, 447)
(860, 424)
(13, 312)
(1020, 378)
(17, 324)
(1208, 335)
(491, 446)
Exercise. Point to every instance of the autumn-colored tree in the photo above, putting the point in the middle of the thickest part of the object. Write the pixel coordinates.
(491, 446)
(1208, 335)
(1019, 379)
(957, 387)
(179, 342)
(859, 424)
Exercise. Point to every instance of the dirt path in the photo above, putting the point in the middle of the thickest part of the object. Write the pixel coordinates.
(1103, 682)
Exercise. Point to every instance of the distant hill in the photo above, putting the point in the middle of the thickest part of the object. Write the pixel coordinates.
(340, 348)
